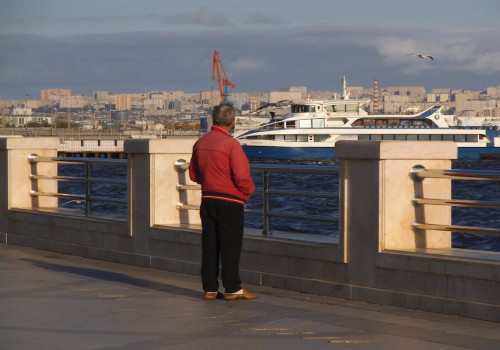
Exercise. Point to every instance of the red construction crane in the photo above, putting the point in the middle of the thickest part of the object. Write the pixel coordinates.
(223, 82)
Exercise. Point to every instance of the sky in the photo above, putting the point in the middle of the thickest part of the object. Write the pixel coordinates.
(127, 46)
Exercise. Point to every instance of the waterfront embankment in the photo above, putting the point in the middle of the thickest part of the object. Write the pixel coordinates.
(380, 256)
(56, 301)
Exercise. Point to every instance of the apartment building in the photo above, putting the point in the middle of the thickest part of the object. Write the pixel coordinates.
(72, 102)
(276, 96)
(123, 102)
(54, 94)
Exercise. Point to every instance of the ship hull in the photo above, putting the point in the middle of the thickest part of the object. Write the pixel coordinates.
(328, 153)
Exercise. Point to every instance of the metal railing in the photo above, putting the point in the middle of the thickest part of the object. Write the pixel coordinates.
(88, 197)
(268, 192)
(419, 173)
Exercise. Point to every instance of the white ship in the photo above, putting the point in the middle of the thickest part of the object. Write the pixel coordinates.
(311, 129)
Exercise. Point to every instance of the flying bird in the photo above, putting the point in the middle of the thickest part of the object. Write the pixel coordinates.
(421, 56)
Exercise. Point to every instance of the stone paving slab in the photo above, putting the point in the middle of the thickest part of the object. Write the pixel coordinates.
(55, 301)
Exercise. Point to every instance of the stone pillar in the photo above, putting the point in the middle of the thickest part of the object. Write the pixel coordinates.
(15, 183)
(153, 192)
(376, 191)
(15, 177)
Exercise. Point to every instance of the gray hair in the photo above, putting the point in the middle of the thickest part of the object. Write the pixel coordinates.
(223, 114)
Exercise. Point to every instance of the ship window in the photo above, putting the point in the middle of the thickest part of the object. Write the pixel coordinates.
(305, 123)
(351, 107)
(279, 137)
(435, 137)
(290, 137)
(329, 108)
(363, 137)
(377, 137)
(320, 138)
(400, 137)
(412, 137)
(387, 137)
(424, 137)
(302, 109)
(290, 124)
(448, 137)
(460, 138)
(339, 108)
(301, 138)
(318, 123)
(472, 138)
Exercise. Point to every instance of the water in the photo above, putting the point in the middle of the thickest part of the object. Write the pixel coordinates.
(303, 206)
(476, 190)
(110, 172)
(479, 217)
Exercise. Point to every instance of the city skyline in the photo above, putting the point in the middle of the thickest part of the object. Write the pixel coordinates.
(42, 95)
(125, 46)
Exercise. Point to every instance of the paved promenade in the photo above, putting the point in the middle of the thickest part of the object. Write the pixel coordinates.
(56, 301)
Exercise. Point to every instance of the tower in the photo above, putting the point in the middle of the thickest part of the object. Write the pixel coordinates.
(375, 96)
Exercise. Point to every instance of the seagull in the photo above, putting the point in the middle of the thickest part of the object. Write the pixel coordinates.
(77, 201)
(421, 56)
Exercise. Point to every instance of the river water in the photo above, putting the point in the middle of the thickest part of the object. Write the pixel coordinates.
(476, 190)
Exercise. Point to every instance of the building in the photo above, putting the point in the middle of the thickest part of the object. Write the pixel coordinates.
(21, 116)
(460, 97)
(123, 102)
(210, 97)
(174, 95)
(493, 90)
(54, 94)
(155, 95)
(407, 90)
(154, 104)
(103, 96)
(22, 111)
(438, 97)
(276, 96)
(72, 102)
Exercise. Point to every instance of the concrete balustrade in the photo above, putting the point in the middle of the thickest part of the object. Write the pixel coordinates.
(386, 212)
(15, 169)
(378, 259)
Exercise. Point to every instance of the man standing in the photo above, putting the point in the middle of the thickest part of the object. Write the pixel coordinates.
(221, 167)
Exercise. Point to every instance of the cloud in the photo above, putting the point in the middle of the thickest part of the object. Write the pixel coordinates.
(488, 63)
(464, 51)
(265, 19)
(255, 60)
(246, 64)
(202, 17)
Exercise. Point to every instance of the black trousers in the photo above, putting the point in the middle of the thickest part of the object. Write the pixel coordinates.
(222, 237)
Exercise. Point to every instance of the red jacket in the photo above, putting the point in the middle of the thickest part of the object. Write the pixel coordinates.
(221, 167)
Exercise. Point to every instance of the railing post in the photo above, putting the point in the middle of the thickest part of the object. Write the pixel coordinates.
(15, 181)
(154, 181)
(378, 191)
(266, 204)
(88, 188)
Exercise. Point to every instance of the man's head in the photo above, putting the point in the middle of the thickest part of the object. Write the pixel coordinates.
(223, 115)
